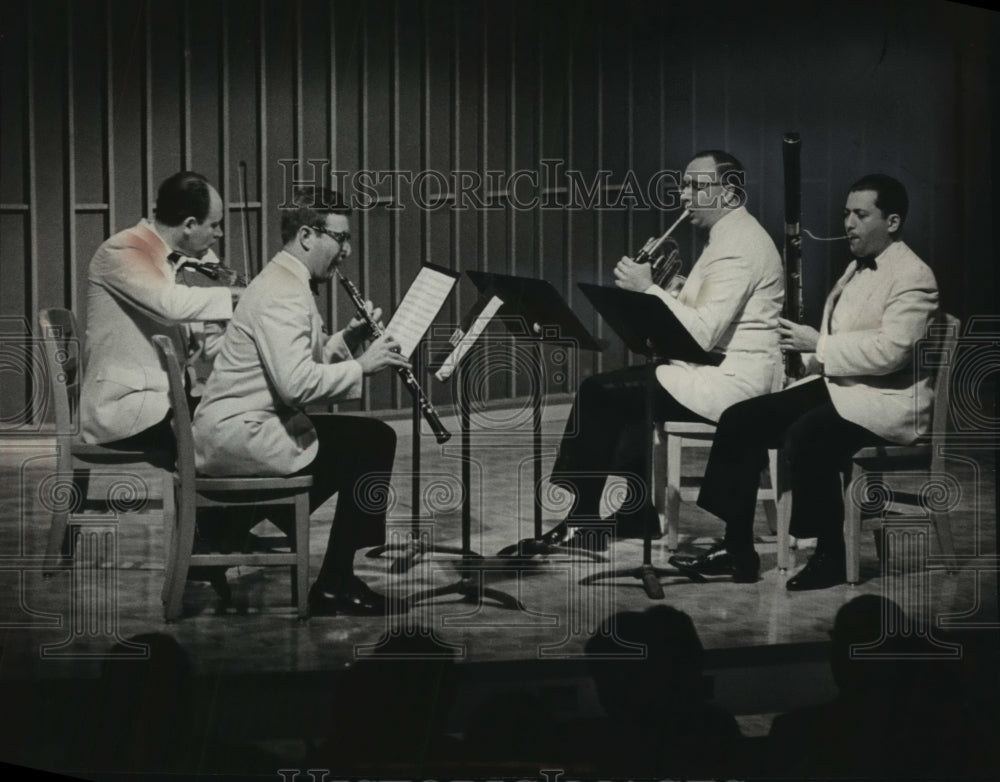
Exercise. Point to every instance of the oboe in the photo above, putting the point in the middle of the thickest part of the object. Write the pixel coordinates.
(663, 266)
(441, 434)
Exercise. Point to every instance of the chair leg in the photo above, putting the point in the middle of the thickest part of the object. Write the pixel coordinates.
(783, 506)
(852, 526)
(300, 571)
(55, 550)
(673, 491)
(771, 506)
(178, 566)
(169, 534)
(942, 525)
(59, 548)
(659, 487)
(169, 501)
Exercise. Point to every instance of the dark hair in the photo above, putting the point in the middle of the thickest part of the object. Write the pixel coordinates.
(672, 649)
(183, 195)
(310, 206)
(730, 171)
(890, 196)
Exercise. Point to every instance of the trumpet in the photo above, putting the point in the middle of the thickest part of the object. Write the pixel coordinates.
(430, 415)
(664, 265)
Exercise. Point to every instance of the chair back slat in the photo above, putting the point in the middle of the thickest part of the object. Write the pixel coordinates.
(181, 416)
(944, 332)
(63, 361)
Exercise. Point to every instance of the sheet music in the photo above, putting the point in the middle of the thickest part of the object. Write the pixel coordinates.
(418, 308)
(469, 339)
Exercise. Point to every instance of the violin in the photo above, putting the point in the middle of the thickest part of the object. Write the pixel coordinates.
(199, 274)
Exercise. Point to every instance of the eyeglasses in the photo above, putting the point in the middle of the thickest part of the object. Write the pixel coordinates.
(340, 237)
(699, 184)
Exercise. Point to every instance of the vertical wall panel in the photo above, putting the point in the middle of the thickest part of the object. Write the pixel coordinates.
(56, 271)
(126, 69)
(205, 154)
(167, 103)
(243, 90)
(124, 93)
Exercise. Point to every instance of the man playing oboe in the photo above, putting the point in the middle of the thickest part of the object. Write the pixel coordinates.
(729, 303)
(274, 361)
(862, 391)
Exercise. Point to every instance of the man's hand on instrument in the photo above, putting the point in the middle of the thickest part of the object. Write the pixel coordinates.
(382, 353)
(633, 276)
(797, 337)
(357, 330)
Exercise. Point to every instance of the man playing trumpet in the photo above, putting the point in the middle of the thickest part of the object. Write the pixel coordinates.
(729, 303)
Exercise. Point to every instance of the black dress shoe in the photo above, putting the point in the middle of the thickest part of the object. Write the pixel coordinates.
(575, 538)
(743, 566)
(556, 535)
(593, 539)
(353, 600)
(216, 576)
(821, 571)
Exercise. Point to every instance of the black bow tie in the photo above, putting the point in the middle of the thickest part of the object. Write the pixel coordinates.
(174, 257)
(868, 262)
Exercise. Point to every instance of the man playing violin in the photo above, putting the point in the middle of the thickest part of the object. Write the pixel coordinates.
(132, 294)
(729, 303)
(276, 360)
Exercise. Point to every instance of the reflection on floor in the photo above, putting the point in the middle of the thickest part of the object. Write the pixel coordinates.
(57, 629)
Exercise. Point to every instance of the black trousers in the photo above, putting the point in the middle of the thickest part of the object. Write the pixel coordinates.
(608, 433)
(354, 461)
(817, 444)
(156, 438)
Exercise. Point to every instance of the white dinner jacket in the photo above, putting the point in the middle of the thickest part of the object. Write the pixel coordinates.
(275, 359)
(730, 304)
(131, 295)
(872, 321)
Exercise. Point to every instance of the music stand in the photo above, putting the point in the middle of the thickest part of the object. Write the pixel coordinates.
(471, 585)
(527, 300)
(416, 545)
(648, 328)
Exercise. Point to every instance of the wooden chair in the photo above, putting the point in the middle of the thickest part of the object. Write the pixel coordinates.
(194, 492)
(871, 465)
(75, 460)
(678, 435)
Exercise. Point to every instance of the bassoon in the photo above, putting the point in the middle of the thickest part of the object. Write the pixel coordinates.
(794, 309)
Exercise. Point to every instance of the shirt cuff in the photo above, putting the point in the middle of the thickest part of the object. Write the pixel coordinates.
(820, 348)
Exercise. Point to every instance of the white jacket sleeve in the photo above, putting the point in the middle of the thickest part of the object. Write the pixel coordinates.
(725, 287)
(283, 335)
(888, 348)
(128, 273)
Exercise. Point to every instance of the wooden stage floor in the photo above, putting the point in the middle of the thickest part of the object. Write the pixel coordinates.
(58, 629)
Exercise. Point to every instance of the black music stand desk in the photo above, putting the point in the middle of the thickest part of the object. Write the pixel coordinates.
(648, 328)
(533, 311)
(536, 302)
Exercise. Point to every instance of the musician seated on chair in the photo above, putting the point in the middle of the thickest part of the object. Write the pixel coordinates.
(275, 360)
(861, 390)
(131, 296)
(729, 303)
